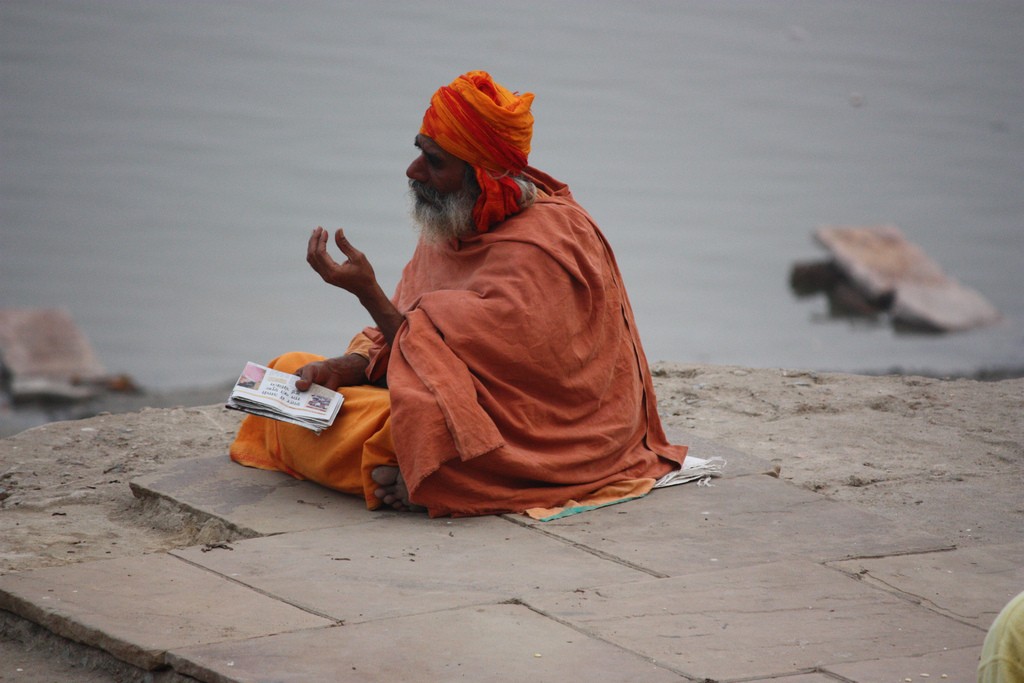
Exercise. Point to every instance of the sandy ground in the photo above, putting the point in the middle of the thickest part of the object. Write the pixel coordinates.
(946, 456)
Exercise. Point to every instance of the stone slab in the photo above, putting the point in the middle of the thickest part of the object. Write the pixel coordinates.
(777, 619)
(256, 502)
(734, 523)
(970, 584)
(409, 564)
(881, 261)
(46, 343)
(486, 643)
(251, 501)
(878, 258)
(46, 356)
(138, 608)
(956, 665)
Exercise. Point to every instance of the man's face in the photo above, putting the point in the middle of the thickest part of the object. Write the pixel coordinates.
(436, 168)
(444, 191)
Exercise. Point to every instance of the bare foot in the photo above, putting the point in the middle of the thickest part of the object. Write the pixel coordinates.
(392, 489)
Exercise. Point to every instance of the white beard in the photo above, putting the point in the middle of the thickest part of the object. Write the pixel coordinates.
(442, 217)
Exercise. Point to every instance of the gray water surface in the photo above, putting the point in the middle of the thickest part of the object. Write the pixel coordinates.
(164, 162)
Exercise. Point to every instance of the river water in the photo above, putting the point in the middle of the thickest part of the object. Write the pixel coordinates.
(164, 162)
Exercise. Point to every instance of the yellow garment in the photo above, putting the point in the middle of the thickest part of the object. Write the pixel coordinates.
(1002, 655)
(341, 457)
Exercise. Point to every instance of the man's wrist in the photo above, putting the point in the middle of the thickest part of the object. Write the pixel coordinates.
(350, 361)
(375, 300)
(383, 311)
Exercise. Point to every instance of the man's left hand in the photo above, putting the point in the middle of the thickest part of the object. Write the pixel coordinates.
(354, 275)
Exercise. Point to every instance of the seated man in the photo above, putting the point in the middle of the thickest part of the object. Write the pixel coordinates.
(506, 372)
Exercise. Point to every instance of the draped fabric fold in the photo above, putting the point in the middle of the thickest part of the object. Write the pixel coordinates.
(518, 380)
(451, 385)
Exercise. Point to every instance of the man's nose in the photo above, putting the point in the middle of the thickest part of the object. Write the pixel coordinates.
(417, 169)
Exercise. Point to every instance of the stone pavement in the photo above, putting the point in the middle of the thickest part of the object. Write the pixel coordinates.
(751, 579)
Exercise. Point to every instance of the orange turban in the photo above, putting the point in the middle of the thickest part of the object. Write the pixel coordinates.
(490, 128)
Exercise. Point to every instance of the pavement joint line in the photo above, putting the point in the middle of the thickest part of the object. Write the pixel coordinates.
(595, 636)
(913, 598)
(334, 620)
(830, 674)
(587, 549)
(895, 553)
(782, 677)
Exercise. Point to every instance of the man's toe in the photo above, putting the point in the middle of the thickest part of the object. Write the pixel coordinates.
(385, 475)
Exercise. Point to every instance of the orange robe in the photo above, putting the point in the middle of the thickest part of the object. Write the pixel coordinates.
(518, 379)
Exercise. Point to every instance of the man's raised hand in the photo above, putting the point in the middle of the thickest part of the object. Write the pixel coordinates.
(355, 275)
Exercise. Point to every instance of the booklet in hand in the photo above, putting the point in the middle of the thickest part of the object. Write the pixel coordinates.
(271, 393)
